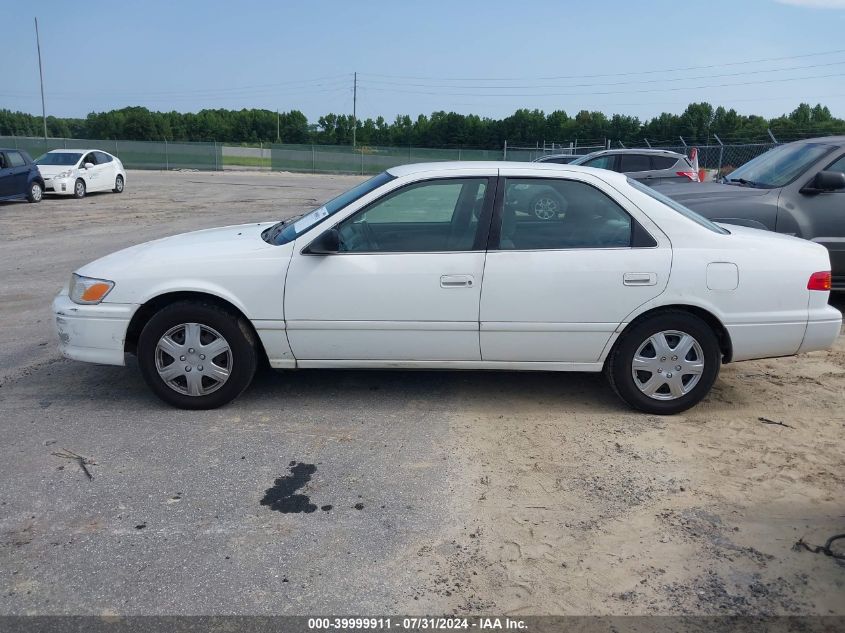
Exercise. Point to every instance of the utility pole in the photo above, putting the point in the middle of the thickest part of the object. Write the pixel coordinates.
(354, 108)
(278, 138)
(41, 77)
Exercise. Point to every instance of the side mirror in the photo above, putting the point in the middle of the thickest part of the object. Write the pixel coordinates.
(825, 181)
(326, 243)
(88, 165)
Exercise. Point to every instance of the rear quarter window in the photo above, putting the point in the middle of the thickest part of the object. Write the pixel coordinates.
(663, 162)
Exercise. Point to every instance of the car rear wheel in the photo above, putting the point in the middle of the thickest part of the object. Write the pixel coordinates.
(665, 364)
(196, 355)
(545, 207)
(118, 184)
(35, 193)
(79, 188)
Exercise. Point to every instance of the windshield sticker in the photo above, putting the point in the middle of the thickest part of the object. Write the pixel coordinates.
(310, 220)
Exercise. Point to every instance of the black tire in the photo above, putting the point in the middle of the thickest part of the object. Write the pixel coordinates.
(35, 193)
(236, 331)
(553, 210)
(619, 365)
(79, 188)
(118, 184)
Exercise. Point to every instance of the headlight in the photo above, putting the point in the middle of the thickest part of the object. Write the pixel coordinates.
(65, 174)
(88, 290)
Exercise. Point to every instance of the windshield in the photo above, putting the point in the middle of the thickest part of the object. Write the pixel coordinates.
(779, 166)
(291, 228)
(676, 206)
(58, 158)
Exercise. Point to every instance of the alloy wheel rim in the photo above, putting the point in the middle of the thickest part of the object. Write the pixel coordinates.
(668, 365)
(545, 208)
(119, 184)
(80, 188)
(36, 193)
(193, 359)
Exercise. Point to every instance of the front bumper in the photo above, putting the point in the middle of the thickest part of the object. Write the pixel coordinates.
(822, 330)
(61, 186)
(92, 333)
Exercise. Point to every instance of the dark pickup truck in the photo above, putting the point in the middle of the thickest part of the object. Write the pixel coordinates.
(797, 189)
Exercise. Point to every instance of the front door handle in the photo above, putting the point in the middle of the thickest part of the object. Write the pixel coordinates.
(456, 281)
(639, 279)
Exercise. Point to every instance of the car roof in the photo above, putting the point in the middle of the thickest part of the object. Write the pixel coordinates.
(501, 165)
(638, 150)
(70, 150)
(835, 140)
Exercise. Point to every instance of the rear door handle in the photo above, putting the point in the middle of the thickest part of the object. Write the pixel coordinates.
(639, 279)
(456, 281)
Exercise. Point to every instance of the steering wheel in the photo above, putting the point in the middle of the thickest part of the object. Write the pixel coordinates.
(370, 235)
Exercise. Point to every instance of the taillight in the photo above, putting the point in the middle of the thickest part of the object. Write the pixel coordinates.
(689, 174)
(819, 281)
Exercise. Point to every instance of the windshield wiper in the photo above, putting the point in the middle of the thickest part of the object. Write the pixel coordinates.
(748, 183)
(280, 226)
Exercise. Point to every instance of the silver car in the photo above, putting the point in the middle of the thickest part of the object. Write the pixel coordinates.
(649, 166)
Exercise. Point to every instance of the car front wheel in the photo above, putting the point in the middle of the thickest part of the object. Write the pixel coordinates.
(196, 355)
(35, 193)
(665, 364)
(79, 188)
(118, 184)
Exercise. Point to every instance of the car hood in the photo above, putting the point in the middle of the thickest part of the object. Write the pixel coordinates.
(227, 242)
(692, 194)
(48, 171)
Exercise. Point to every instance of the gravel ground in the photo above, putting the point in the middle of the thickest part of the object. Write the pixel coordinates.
(389, 492)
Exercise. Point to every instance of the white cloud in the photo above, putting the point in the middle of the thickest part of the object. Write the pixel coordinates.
(815, 4)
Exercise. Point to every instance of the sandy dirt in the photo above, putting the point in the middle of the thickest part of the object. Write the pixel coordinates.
(507, 493)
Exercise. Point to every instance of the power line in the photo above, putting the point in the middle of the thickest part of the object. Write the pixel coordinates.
(617, 83)
(622, 74)
(608, 92)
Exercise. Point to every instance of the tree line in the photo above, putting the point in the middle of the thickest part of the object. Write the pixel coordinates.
(698, 123)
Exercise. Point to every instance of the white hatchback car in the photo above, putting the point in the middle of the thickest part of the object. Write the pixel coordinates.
(425, 266)
(75, 172)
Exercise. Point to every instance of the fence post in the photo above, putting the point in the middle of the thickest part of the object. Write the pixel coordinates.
(721, 151)
(505, 151)
(646, 142)
(622, 145)
(684, 143)
(362, 160)
(772, 136)
(166, 156)
(313, 159)
(459, 153)
(216, 167)
(115, 149)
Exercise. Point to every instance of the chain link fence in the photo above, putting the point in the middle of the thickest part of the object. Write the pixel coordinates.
(364, 159)
(133, 154)
(723, 159)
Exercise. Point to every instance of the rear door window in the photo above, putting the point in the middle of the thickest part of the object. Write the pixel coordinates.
(15, 159)
(602, 162)
(838, 165)
(635, 162)
(102, 158)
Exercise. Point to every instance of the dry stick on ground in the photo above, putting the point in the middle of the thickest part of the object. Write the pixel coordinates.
(79, 459)
(768, 421)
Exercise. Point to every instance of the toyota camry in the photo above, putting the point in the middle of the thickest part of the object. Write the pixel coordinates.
(435, 266)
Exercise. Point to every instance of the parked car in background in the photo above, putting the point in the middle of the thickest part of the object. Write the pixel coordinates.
(649, 166)
(797, 189)
(560, 159)
(424, 267)
(19, 177)
(76, 172)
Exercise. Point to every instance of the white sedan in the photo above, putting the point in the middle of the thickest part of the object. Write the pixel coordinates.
(75, 172)
(427, 266)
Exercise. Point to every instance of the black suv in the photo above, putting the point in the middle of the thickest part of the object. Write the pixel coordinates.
(19, 176)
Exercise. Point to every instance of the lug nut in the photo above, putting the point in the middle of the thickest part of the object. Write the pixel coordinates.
(182, 358)
(662, 359)
(199, 368)
(659, 371)
(677, 368)
(191, 351)
(187, 368)
(202, 356)
(669, 374)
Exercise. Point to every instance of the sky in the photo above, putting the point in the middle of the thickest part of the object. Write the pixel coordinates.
(487, 57)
